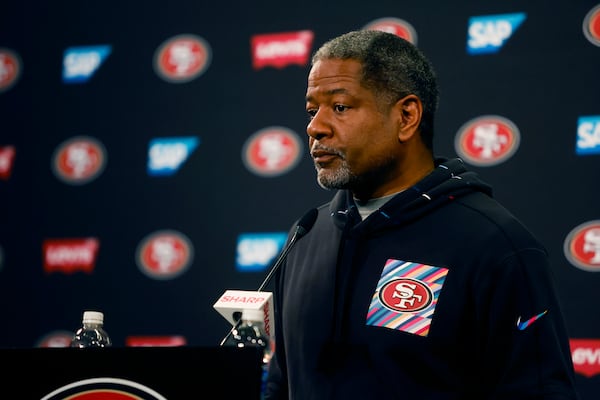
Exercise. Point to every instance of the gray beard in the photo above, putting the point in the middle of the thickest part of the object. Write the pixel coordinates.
(340, 178)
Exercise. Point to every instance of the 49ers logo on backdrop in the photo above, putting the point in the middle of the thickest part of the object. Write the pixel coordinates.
(272, 151)
(487, 140)
(10, 69)
(591, 25)
(397, 26)
(182, 58)
(582, 246)
(79, 160)
(164, 254)
(7, 157)
(105, 389)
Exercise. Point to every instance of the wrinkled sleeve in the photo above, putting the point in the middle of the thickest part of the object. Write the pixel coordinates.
(525, 331)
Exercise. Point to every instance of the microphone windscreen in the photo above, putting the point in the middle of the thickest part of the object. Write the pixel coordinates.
(306, 222)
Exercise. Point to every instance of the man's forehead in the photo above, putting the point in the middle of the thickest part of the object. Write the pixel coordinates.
(334, 76)
(335, 67)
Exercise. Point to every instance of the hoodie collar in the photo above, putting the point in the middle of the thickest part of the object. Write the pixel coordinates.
(448, 181)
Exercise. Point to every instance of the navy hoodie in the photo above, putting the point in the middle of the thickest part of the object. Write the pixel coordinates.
(440, 294)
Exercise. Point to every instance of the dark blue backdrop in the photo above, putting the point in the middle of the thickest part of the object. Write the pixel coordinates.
(542, 77)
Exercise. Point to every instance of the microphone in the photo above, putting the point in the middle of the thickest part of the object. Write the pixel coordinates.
(238, 300)
(304, 225)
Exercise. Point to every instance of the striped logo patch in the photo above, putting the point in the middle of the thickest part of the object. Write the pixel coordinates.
(406, 296)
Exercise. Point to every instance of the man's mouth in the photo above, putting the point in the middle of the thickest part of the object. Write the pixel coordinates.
(323, 156)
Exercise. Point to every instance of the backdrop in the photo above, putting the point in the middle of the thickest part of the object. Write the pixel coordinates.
(154, 155)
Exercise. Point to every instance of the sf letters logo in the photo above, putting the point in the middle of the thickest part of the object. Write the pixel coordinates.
(405, 295)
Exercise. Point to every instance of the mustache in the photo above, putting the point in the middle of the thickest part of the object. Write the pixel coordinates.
(320, 149)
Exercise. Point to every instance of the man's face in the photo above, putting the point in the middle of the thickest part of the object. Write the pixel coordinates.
(353, 142)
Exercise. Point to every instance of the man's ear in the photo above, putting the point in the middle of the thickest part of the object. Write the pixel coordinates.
(409, 110)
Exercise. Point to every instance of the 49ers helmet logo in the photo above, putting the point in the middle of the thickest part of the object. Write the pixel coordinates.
(397, 26)
(582, 246)
(487, 140)
(79, 160)
(272, 151)
(182, 58)
(106, 388)
(10, 69)
(164, 254)
(591, 25)
(405, 295)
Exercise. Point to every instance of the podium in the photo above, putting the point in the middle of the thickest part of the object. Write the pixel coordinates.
(128, 373)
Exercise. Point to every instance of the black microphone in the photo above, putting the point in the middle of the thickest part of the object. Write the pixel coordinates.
(304, 225)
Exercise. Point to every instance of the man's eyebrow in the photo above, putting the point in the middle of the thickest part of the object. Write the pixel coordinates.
(330, 93)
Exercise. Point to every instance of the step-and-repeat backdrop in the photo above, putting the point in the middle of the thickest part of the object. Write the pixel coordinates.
(153, 154)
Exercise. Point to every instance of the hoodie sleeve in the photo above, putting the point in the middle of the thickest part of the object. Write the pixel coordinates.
(521, 319)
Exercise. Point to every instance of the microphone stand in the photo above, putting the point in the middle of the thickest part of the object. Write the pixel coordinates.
(265, 282)
(304, 225)
(238, 320)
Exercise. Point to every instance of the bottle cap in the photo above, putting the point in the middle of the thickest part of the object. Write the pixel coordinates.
(94, 317)
(253, 315)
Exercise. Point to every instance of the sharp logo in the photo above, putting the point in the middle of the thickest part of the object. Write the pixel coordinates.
(80, 63)
(588, 135)
(487, 34)
(167, 155)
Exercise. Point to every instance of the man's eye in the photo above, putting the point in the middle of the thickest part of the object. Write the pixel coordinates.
(311, 113)
(340, 108)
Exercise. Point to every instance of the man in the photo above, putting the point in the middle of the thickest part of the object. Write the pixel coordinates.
(414, 283)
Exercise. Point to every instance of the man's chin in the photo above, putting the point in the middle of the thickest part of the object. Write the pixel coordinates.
(329, 183)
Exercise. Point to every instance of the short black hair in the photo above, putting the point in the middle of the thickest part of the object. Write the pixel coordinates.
(391, 66)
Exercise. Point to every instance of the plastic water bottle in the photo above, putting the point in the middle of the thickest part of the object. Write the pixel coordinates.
(91, 333)
(251, 333)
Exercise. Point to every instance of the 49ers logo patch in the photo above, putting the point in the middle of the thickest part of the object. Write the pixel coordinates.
(406, 296)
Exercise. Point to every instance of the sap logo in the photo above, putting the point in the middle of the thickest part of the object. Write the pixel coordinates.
(166, 155)
(80, 63)
(588, 135)
(255, 251)
(487, 34)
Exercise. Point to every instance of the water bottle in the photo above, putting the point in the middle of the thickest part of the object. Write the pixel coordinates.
(251, 333)
(91, 333)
